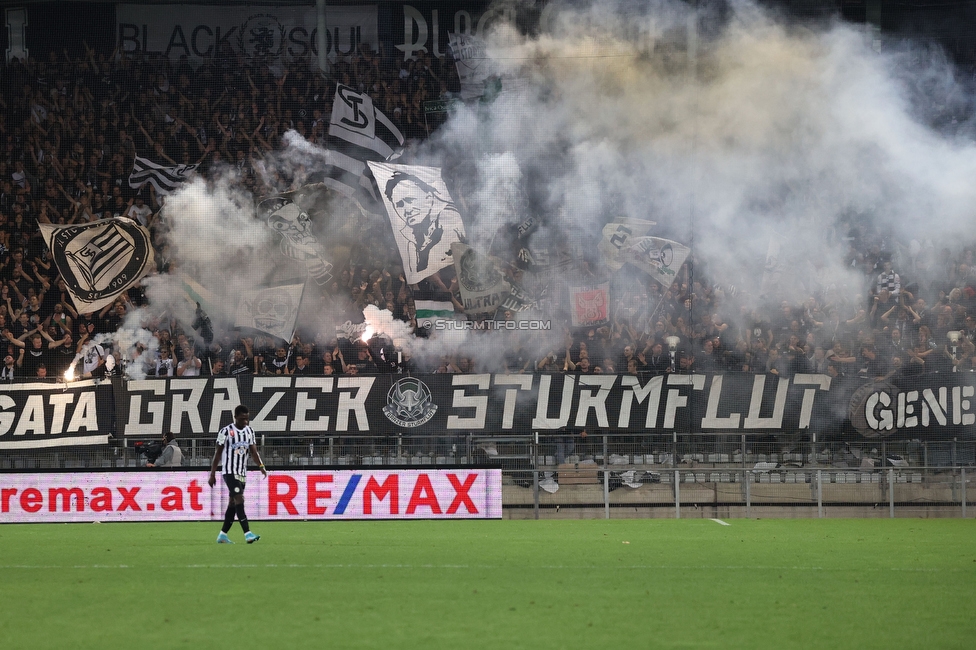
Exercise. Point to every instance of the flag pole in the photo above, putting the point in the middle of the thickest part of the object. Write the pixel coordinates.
(320, 19)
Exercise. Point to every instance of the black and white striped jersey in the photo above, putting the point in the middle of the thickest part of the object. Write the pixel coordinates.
(891, 281)
(236, 443)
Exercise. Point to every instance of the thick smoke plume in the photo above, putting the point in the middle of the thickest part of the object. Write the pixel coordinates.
(759, 130)
(727, 128)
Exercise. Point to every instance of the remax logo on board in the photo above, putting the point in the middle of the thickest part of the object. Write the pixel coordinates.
(184, 496)
(379, 494)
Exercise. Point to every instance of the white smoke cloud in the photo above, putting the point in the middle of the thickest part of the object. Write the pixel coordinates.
(213, 237)
(723, 135)
(767, 128)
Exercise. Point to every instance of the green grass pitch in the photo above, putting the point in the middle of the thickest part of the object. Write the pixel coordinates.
(492, 584)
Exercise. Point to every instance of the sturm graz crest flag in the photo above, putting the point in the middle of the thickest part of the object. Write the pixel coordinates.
(99, 260)
(357, 121)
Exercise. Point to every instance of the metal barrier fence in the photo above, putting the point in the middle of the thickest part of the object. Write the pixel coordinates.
(620, 476)
(534, 450)
(721, 493)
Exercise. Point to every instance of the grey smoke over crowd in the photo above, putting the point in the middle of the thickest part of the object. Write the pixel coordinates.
(726, 128)
(212, 237)
(763, 129)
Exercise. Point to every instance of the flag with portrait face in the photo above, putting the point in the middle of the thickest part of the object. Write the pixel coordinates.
(423, 216)
(483, 287)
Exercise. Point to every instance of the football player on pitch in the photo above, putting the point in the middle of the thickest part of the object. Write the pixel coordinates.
(235, 443)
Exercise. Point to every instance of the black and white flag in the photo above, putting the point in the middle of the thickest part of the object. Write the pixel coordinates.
(618, 235)
(518, 300)
(659, 258)
(482, 285)
(422, 213)
(349, 177)
(164, 179)
(355, 120)
(474, 67)
(297, 241)
(99, 260)
(783, 273)
(338, 171)
(272, 310)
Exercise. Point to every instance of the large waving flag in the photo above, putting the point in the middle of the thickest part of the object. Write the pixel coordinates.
(659, 258)
(518, 300)
(349, 177)
(480, 76)
(297, 240)
(340, 172)
(357, 121)
(474, 68)
(782, 276)
(423, 216)
(482, 285)
(100, 260)
(618, 235)
(273, 310)
(164, 179)
(196, 294)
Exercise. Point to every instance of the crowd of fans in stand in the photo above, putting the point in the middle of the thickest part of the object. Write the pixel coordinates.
(70, 128)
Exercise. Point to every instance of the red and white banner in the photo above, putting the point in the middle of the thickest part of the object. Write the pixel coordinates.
(591, 305)
(185, 496)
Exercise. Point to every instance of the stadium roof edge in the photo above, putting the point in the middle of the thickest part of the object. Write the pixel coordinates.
(284, 3)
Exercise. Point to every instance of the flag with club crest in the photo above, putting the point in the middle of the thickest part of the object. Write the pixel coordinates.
(99, 261)
(357, 121)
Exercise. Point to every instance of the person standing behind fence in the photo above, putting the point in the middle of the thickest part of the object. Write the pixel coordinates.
(172, 455)
(11, 366)
(234, 443)
(190, 365)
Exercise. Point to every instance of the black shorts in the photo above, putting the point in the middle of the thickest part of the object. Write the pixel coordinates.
(234, 483)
